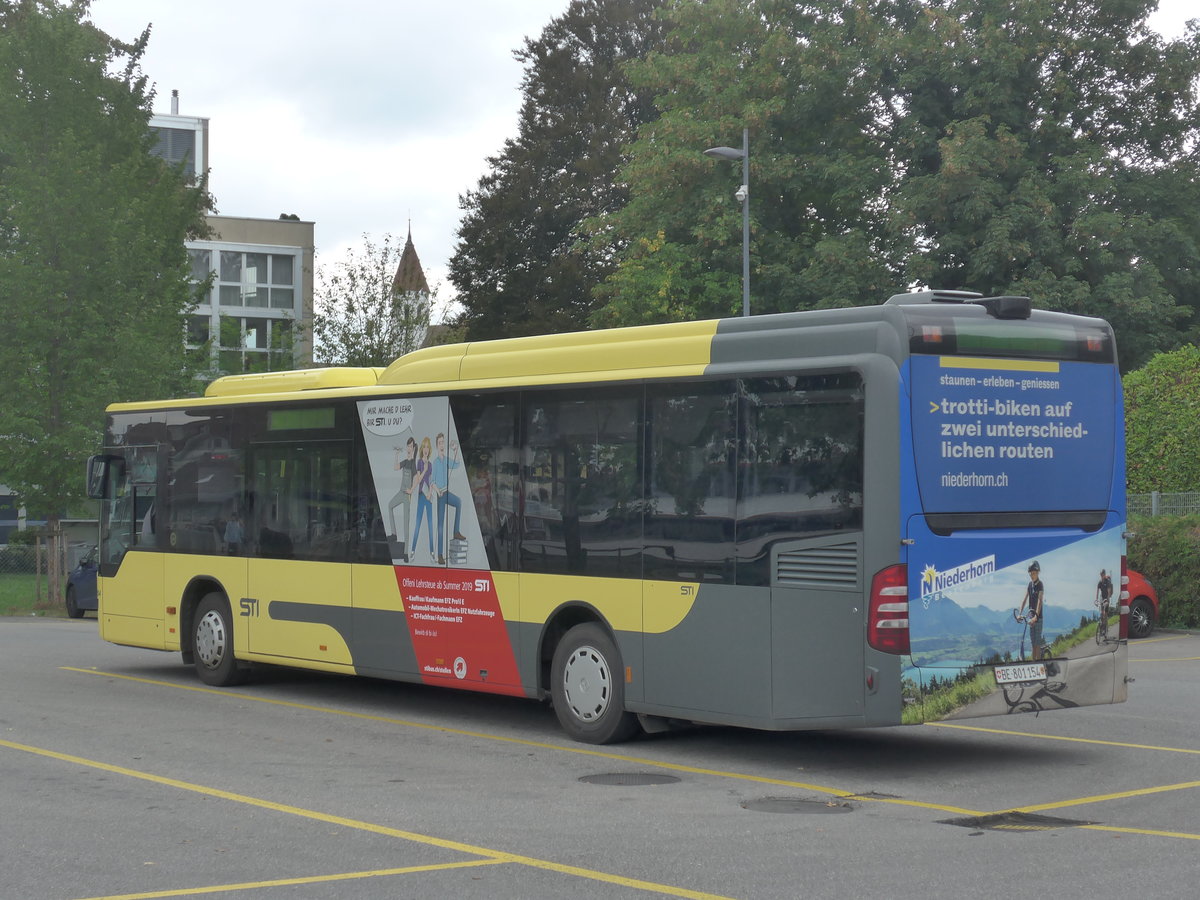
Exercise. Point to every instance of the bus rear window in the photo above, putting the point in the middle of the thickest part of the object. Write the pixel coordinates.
(1024, 339)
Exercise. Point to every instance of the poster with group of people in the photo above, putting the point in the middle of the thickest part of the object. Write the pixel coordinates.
(422, 487)
(450, 602)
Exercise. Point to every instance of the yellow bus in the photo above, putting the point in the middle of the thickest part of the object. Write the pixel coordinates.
(808, 520)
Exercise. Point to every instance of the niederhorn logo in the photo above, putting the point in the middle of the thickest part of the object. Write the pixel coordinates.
(933, 581)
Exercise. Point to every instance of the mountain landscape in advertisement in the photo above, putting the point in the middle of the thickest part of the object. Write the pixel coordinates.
(957, 620)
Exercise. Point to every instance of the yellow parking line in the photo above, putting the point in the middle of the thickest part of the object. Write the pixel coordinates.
(1100, 798)
(834, 792)
(581, 751)
(358, 824)
(289, 882)
(676, 767)
(1169, 637)
(1147, 831)
(1166, 659)
(1056, 737)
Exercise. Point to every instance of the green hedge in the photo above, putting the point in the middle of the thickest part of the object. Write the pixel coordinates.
(1166, 549)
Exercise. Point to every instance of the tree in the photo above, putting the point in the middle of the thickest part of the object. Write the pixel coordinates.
(794, 76)
(1037, 142)
(371, 307)
(1044, 147)
(94, 277)
(1162, 423)
(520, 266)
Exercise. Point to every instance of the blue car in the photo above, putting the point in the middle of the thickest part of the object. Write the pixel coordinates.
(81, 586)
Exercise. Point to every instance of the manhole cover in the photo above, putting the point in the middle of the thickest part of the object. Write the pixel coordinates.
(1016, 821)
(629, 778)
(796, 805)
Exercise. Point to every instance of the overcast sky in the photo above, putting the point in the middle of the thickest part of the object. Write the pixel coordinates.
(353, 114)
(356, 115)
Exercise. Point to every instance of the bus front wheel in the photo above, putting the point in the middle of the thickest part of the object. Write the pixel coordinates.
(588, 687)
(212, 643)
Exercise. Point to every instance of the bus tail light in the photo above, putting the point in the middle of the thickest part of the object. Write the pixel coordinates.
(887, 618)
(1123, 600)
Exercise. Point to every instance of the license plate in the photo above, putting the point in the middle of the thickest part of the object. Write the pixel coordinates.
(1026, 672)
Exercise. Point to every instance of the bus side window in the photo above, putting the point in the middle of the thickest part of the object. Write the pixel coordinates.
(801, 467)
(370, 534)
(692, 483)
(487, 427)
(204, 484)
(582, 483)
(300, 504)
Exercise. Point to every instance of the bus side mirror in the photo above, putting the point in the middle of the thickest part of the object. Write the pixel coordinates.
(99, 468)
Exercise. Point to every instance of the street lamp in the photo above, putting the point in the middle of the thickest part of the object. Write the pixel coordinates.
(743, 195)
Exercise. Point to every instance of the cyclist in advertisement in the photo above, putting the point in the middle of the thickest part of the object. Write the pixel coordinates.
(1032, 607)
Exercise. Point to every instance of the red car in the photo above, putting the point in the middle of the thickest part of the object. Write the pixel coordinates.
(1143, 605)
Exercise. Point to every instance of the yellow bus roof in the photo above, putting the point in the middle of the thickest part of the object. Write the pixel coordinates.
(652, 351)
(612, 353)
(298, 380)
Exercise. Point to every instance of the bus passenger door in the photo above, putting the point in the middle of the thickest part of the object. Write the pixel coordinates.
(298, 536)
(132, 603)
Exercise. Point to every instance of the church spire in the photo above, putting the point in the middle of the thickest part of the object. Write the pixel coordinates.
(410, 277)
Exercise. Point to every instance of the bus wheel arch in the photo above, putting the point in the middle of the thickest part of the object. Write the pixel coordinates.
(587, 683)
(210, 641)
(557, 625)
(195, 591)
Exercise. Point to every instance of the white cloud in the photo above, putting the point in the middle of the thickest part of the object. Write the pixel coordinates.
(355, 115)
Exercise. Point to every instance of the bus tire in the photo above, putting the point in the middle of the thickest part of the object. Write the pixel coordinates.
(212, 643)
(588, 688)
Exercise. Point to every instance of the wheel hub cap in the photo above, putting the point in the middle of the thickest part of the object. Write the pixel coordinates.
(586, 684)
(210, 640)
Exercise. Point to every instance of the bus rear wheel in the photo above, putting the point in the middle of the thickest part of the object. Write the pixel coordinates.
(212, 643)
(588, 689)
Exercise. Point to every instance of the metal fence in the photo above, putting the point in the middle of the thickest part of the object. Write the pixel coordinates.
(24, 568)
(1156, 503)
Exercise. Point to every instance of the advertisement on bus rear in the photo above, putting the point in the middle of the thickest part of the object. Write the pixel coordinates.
(1012, 435)
(1014, 539)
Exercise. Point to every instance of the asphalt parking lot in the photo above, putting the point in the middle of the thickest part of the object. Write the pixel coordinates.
(123, 776)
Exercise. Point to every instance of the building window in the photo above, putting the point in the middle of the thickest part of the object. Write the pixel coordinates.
(253, 344)
(201, 263)
(197, 330)
(177, 145)
(244, 321)
(257, 280)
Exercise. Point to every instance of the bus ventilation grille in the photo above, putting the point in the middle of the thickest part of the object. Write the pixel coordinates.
(828, 566)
